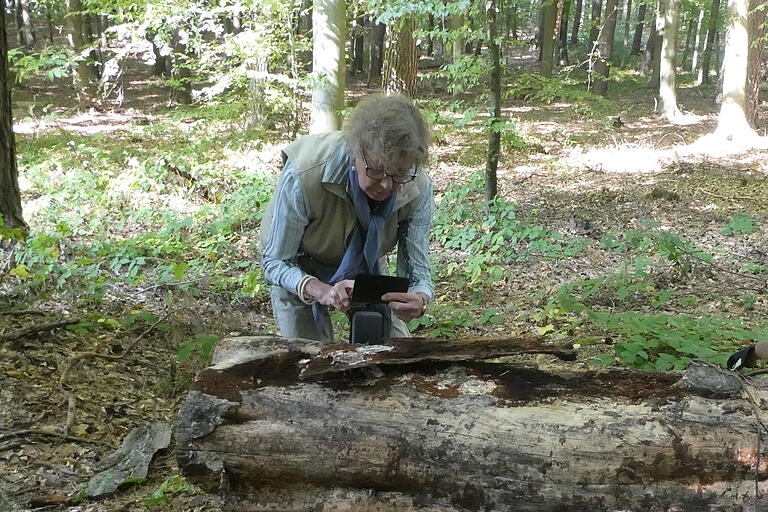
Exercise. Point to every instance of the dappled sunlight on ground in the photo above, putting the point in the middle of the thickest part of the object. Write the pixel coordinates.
(85, 123)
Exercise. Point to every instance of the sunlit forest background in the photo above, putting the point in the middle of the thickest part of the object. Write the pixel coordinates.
(600, 173)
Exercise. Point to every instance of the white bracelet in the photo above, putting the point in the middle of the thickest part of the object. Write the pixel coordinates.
(301, 288)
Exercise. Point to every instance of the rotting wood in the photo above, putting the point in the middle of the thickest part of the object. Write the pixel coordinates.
(465, 435)
(339, 358)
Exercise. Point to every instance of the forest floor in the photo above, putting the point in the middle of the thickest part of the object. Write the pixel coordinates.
(610, 209)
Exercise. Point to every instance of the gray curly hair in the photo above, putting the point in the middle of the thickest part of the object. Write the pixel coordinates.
(389, 129)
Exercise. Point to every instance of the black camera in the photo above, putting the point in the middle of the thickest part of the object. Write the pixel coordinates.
(370, 320)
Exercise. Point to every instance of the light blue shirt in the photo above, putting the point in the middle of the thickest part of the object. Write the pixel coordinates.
(283, 245)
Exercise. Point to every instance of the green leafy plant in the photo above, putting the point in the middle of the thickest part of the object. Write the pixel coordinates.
(165, 493)
(201, 345)
(740, 224)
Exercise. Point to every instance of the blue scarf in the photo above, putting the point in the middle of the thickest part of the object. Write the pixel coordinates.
(362, 253)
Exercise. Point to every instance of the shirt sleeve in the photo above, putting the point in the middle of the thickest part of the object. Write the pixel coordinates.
(289, 220)
(413, 244)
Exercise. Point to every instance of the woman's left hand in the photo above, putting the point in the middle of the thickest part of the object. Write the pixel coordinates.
(406, 306)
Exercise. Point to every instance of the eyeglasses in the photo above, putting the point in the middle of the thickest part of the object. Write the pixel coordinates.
(378, 175)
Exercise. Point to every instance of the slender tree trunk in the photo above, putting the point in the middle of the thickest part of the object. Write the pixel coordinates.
(655, 70)
(706, 58)
(696, 61)
(83, 73)
(10, 196)
(514, 22)
(668, 77)
(160, 66)
(455, 22)
(688, 41)
(605, 49)
(358, 64)
(757, 32)
(637, 41)
(180, 70)
(732, 121)
(430, 43)
(377, 54)
(625, 41)
(494, 136)
(328, 64)
(549, 15)
(400, 59)
(646, 67)
(595, 25)
(17, 18)
(562, 47)
(49, 21)
(577, 22)
(26, 20)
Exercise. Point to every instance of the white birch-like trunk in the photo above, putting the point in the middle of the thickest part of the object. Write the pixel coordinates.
(732, 121)
(667, 74)
(329, 33)
(698, 44)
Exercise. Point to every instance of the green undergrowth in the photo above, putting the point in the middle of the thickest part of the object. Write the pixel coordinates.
(641, 303)
(167, 203)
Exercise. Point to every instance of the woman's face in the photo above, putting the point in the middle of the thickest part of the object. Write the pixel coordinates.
(380, 189)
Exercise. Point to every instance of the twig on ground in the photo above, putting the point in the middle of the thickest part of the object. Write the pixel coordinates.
(32, 432)
(23, 333)
(23, 312)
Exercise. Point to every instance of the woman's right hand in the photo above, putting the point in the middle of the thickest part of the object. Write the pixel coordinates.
(336, 296)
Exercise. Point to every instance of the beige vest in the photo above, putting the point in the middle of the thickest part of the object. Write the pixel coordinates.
(321, 166)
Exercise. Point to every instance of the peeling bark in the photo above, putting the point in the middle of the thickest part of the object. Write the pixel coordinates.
(464, 433)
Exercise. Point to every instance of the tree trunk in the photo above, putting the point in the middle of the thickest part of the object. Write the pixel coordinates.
(494, 135)
(358, 51)
(181, 70)
(646, 68)
(549, 17)
(83, 73)
(377, 54)
(732, 121)
(10, 196)
(595, 26)
(696, 61)
(577, 22)
(26, 26)
(514, 23)
(455, 24)
(400, 59)
(605, 49)
(423, 425)
(656, 67)
(637, 41)
(757, 32)
(562, 45)
(667, 72)
(430, 50)
(16, 7)
(688, 41)
(160, 66)
(706, 58)
(625, 40)
(329, 36)
(49, 21)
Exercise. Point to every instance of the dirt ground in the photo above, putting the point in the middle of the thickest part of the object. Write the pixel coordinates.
(100, 385)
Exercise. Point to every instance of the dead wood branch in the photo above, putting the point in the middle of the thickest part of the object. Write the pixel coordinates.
(438, 430)
(28, 331)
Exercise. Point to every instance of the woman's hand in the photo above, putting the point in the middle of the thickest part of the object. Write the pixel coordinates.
(336, 296)
(406, 306)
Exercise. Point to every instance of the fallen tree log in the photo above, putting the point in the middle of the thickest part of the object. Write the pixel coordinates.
(431, 426)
